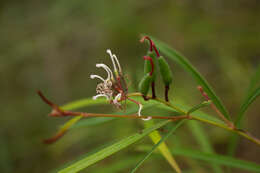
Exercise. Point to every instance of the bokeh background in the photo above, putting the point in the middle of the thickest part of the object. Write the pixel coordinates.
(54, 46)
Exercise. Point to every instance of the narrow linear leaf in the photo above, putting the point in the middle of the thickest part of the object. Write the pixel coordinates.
(234, 139)
(83, 103)
(201, 105)
(158, 144)
(119, 166)
(218, 159)
(163, 148)
(197, 130)
(183, 62)
(74, 122)
(254, 80)
(233, 142)
(251, 98)
(203, 141)
(105, 152)
(212, 158)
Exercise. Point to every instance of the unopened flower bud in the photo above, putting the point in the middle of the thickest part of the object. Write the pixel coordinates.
(144, 84)
(165, 71)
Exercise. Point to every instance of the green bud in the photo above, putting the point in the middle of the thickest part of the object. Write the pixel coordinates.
(148, 66)
(165, 71)
(145, 84)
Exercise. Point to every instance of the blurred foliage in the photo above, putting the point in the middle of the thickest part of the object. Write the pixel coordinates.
(54, 45)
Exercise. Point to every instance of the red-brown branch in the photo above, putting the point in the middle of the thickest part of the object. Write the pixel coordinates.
(229, 123)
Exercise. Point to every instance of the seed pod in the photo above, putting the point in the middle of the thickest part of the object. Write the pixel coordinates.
(148, 66)
(145, 84)
(165, 71)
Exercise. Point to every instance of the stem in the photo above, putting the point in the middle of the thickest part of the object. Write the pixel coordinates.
(151, 42)
(56, 111)
(159, 100)
(153, 90)
(229, 123)
(245, 134)
(87, 115)
(167, 87)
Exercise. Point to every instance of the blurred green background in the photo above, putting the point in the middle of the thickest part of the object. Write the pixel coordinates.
(54, 46)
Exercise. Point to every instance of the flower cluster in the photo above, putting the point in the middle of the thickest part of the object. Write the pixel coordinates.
(114, 87)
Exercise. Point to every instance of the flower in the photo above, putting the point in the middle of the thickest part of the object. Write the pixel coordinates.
(114, 87)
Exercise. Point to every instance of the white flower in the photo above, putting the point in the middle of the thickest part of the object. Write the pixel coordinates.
(105, 89)
(111, 87)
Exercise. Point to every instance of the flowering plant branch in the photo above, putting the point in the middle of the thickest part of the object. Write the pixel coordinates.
(114, 89)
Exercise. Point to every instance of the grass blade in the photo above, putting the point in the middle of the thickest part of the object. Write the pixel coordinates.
(158, 144)
(107, 151)
(183, 62)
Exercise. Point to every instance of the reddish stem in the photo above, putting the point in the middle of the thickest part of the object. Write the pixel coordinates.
(152, 45)
(167, 87)
(153, 90)
(152, 64)
(229, 123)
(203, 93)
(54, 138)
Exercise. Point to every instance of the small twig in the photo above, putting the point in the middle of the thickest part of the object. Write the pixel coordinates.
(60, 113)
(57, 112)
(229, 123)
(54, 138)
(235, 130)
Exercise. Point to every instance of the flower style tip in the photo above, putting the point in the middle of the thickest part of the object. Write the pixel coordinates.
(108, 70)
(139, 113)
(100, 95)
(114, 59)
(93, 76)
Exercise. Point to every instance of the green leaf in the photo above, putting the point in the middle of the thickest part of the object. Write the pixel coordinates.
(203, 141)
(107, 151)
(83, 103)
(250, 94)
(212, 158)
(199, 114)
(234, 139)
(158, 144)
(163, 148)
(184, 63)
(201, 105)
(99, 120)
(218, 159)
(250, 99)
(254, 80)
